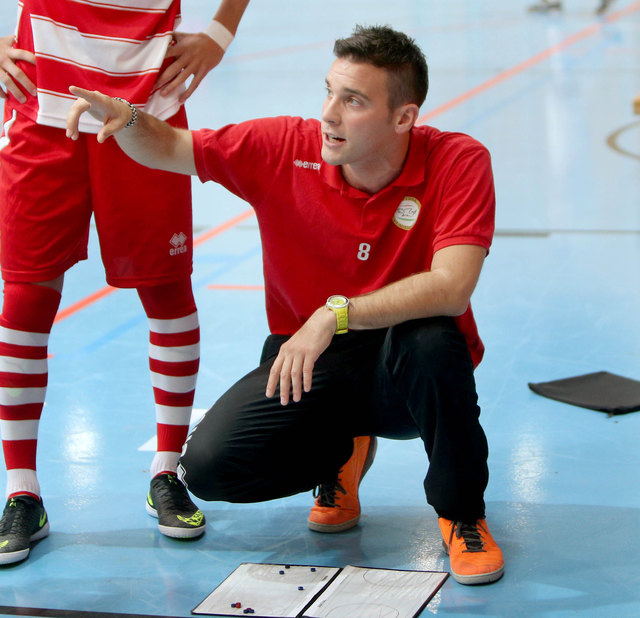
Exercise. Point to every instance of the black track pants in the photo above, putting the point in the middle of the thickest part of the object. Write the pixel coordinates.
(412, 380)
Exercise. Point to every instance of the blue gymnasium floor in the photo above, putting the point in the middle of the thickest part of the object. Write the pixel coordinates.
(550, 95)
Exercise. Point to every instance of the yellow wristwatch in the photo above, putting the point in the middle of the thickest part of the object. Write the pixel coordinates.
(340, 306)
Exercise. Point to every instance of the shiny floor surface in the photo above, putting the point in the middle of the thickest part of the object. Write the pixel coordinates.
(550, 95)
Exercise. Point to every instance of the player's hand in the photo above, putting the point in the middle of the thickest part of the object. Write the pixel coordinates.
(112, 113)
(195, 55)
(11, 74)
(293, 367)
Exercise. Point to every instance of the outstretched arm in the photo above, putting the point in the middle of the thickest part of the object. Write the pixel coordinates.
(195, 54)
(148, 141)
(444, 290)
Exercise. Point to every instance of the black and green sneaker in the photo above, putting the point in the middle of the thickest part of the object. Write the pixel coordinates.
(177, 515)
(24, 521)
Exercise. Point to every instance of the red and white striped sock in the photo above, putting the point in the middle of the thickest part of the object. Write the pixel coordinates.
(174, 357)
(27, 317)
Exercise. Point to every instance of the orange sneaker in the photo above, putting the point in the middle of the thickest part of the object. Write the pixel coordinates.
(475, 557)
(337, 507)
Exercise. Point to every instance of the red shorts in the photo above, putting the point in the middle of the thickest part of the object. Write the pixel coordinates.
(51, 185)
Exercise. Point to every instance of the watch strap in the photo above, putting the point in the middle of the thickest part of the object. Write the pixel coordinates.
(340, 306)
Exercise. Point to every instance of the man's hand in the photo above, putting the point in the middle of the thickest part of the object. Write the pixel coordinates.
(114, 114)
(10, 74)
(195, 55)
(293, 367)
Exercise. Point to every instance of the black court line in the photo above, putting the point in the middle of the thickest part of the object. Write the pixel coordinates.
(70, 613)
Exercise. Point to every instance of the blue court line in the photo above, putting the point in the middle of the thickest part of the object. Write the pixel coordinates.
(530, 62)
(229, 262)
(570, 62)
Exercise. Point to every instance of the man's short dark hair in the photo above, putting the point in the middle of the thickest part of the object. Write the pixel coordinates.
(394, 51)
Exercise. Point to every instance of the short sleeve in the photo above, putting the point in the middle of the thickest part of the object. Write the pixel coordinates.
(467, 202)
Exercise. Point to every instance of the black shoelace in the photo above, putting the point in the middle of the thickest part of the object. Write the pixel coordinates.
(171, 491)
(471, 536)
(19, 517)
(326, 493)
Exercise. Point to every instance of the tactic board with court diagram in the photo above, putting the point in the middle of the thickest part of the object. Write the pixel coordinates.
(297, 591)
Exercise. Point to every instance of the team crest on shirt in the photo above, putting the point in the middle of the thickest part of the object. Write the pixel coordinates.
(407, 213)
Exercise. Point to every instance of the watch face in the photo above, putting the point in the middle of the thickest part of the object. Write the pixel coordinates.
(337, 302)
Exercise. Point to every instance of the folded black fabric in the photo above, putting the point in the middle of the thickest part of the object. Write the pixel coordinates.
(602, 391)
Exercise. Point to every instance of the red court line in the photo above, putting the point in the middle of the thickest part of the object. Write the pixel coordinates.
(223, 227)
(85, 302)
(105, 291)
(221, 286)
(527, 64)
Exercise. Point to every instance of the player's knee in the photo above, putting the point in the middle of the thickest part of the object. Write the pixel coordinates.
(209, 472)
(431, 343)
(200, 475)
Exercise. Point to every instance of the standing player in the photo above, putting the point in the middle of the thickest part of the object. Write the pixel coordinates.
(50, 187)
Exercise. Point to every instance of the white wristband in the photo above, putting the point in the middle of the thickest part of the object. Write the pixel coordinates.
(219, 34)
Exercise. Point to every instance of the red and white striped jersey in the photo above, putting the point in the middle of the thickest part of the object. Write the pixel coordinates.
(115, 46)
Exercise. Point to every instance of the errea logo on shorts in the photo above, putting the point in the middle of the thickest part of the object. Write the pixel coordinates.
(407, 213)
(307, 165)
(177, 243)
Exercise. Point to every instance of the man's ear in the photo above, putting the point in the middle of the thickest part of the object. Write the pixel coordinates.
(406, 116)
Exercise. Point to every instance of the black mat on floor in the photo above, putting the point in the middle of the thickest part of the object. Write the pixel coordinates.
(602, 391)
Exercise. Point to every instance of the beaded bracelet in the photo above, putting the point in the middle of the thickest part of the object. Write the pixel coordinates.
(134, 112)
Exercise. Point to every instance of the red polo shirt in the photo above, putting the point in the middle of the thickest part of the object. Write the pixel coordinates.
(320, 236)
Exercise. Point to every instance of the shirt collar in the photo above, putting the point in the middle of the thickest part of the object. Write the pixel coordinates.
(413, 171)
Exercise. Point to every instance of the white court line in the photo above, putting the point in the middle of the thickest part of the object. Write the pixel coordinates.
(152, 443)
